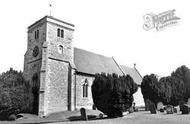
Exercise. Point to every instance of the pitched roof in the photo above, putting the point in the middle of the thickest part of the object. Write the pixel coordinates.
(92, 63)
(133, 73)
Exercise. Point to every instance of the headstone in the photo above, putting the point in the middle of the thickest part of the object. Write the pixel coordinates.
(175, 110)
(152, 108)
(169, 109)
(101, 115)
(178, 109)
(184, 109)
(160, 106)
(147, 104)
(12, 117)
(131, 110)
(188, 102)
(83, 114)
(161, 110)
(94, 107)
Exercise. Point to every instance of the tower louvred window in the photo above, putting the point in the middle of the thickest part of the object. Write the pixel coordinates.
(58, 32)
(62, 33)
(36, 34)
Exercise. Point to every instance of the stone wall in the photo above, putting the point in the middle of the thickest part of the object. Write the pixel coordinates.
(55, 41)
(58, 72)
(138, 98)
(31, 43)
(86, 102)
(57, 87)
(32, 65)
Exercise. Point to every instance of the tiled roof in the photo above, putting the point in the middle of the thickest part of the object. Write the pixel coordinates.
(92, 63)
(133, 73)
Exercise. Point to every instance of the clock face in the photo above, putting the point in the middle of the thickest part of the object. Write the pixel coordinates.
(35, 51)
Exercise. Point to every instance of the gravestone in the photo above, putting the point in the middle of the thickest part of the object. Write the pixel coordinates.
(175, 110)
(184, 109)
(131, 110)
(188, 102)
(161, 110)
(101, 115)
(12, 117)
(169, 109)
(83, 114)
(178, 109)
(147, 104)
(152, 108)
(160, 106)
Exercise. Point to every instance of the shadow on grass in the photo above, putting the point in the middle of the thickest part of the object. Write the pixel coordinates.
(90, 117)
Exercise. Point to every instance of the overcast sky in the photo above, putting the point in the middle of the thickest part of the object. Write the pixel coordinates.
(108, 27)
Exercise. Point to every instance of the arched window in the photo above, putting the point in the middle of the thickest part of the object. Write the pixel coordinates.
(85, 88)
(62, 33)
(36, 34)
(60, 49)
(58, 32)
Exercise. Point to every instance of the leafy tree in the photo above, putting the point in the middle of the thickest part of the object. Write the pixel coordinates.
(113, 94)
(149, 88)
(169, 90)
(183, 73)
(14, 93)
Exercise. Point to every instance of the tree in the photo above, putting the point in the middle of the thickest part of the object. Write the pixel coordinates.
(170, 90)
(113, 94)
(149, 88)
(183, 73)
(14, 93)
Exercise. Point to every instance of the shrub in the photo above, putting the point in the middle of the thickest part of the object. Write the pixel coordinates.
(14, 94)
(183, 73)
(113, 94)
(170, 90)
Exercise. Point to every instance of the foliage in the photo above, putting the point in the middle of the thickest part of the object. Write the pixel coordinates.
(113, 94)
(14, 93)
(170, 90)
(183, 73)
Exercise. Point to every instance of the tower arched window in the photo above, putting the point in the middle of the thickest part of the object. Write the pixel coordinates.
(36, 36)
(85, 88)
(58, 32)
(62, 33)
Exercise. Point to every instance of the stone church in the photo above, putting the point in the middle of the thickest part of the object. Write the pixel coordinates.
(61, 75)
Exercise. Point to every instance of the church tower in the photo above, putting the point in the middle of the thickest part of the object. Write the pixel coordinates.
(49, 66)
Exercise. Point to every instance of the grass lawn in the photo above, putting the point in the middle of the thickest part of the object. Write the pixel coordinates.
(141, 117)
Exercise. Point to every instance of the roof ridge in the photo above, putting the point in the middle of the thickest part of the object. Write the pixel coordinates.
(118, 66)
(92, 52)
(138, 72)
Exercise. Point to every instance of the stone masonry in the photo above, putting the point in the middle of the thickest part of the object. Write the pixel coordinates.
(58, 82)
(52, 67)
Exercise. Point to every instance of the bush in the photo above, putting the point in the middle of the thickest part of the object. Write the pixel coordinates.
(14, 94)
(183, 73)
(113, 94)
(170, 90)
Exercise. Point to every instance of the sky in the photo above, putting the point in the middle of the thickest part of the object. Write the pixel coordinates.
(107, 27)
